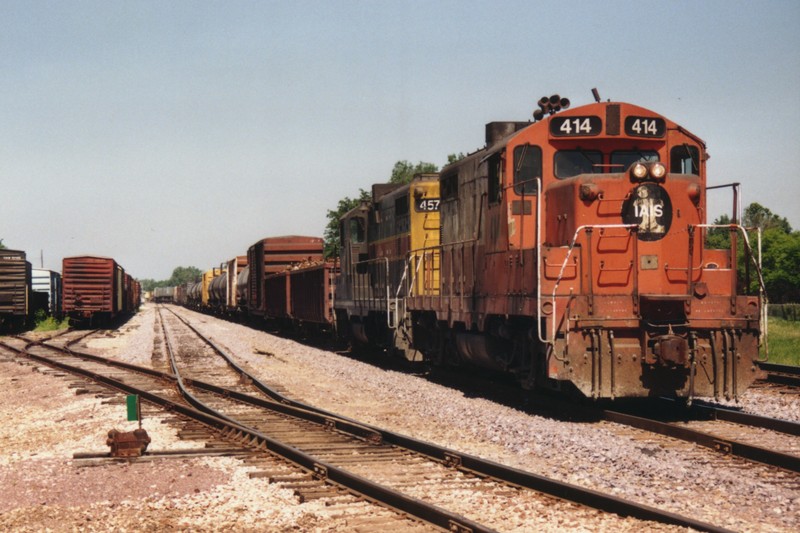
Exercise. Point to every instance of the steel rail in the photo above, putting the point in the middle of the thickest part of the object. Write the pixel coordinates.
(731, 447)
(320, 470)
(475, 465)
(781, 374)
(716, 412)
(329, 472)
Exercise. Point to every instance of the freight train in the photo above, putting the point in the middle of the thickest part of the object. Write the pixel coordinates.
(568, 252)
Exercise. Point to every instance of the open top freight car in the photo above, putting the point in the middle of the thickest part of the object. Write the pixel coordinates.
(273, 255)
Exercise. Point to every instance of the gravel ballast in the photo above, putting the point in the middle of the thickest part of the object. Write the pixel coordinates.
(212, 493)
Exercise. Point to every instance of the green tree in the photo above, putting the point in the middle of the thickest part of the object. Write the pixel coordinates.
(758, 216)
(780, 252)
(781, 265)
(452, 158)
(2, 246)
(403, 171)
(331, 237)
(179, 276)
(183, 275)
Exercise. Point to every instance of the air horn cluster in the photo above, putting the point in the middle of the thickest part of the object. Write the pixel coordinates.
(550, 105)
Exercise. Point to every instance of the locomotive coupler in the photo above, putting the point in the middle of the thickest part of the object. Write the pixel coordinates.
(128, 443)
(669, 350)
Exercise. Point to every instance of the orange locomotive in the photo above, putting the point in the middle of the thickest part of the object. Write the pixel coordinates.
(572, 252)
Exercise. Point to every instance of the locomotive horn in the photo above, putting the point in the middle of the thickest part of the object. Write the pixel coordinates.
(538, 114)
(555, 99)
(544, 103)
(564, 103)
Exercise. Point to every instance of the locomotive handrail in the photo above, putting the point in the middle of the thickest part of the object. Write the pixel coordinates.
(564, 265)
(370, 296)
(762, 289)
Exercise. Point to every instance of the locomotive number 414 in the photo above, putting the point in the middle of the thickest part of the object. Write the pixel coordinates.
(575, 126)
(645, 126)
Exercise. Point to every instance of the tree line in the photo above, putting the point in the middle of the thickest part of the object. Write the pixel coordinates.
(780, 243)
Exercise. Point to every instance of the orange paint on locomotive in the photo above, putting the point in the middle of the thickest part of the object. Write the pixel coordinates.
(631, 301)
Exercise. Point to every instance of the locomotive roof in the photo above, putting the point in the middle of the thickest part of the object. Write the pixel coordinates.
(594, 108)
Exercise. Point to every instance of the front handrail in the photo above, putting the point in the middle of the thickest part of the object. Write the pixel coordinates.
(584, 227)
(762, 289)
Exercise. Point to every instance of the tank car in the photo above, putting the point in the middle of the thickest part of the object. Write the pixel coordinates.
(389, 253)
(193, 295)
(218, 292)
(572, 255)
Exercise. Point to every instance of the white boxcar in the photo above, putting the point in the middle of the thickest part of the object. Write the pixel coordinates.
(49, 282)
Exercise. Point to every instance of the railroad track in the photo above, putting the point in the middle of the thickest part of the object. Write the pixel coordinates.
(782, 375)
(401, 462)
(339, 455)
(772, 442)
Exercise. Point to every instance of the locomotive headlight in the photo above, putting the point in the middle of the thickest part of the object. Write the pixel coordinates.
(639, 171)
(658, 170)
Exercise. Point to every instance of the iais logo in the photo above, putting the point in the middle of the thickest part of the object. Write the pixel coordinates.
(650, 208)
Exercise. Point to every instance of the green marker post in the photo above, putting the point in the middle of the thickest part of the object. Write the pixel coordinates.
(134, 408)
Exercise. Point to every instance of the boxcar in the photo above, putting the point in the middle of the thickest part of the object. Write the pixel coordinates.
(96, 290)
(48, 282)
(15, 288)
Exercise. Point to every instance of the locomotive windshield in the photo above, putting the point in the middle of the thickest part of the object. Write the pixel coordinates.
(569, 163)
(620, 161)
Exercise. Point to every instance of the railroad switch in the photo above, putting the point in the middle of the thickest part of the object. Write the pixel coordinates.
(128, 443)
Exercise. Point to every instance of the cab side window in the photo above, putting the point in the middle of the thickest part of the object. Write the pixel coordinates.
(527, 167)
(684, 159)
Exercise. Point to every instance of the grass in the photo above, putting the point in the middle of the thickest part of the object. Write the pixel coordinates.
(48, 323)
(784, 341)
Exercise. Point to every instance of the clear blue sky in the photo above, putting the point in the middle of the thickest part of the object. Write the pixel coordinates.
(178, 133)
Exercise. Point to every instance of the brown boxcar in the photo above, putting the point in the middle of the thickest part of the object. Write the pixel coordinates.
(15, 288)
(273, 255)
(96, 289)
